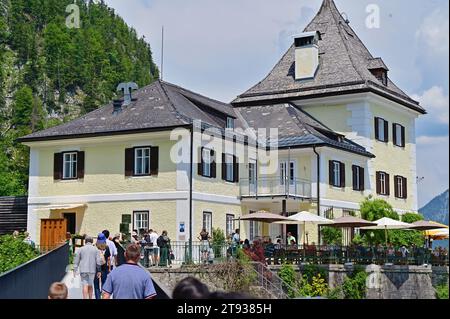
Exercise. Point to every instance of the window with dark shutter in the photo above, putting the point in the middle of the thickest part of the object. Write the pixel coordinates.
(200, 162)
(358, 178)
(342, 175)
(361, 179)
(398, 135)
(57, 166)
(386, 131)
(80, 165)
(154, 160)
(236, 169)
(213, 164)
(405, 188)
(331, 173)
(388, 185)
(224, 167)
(378, 178)
(377, 128)
(129, 162)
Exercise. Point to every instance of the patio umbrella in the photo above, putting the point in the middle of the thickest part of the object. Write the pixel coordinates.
(304, 218)
(426, 225)
(438, 234)
(388, 223)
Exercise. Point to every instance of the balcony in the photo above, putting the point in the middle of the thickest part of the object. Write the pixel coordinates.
(275, 187)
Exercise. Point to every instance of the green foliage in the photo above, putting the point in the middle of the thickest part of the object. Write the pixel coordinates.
(442, 291)
(354, 286)
(218, 241)
(358, 240)
(55, 74)
(331, 235)
(374, 209)
(313, 270)
(289, 277)
(14, 252)
(316, 287)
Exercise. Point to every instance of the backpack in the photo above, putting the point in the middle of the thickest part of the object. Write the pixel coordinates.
(160, 241)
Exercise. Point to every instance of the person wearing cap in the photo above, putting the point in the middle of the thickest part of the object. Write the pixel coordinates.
(87, 262)
(106, 266)
(112, 248)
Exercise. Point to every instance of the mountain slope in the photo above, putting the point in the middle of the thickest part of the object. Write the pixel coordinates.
(437, 209)
(50, 73)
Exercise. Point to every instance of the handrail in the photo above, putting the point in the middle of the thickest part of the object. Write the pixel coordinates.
(275, 284)
(275, 186)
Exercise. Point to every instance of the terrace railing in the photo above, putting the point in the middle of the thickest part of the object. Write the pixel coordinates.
(275, 186)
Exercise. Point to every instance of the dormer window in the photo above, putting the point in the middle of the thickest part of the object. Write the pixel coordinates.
(381, 75)
(230, 123)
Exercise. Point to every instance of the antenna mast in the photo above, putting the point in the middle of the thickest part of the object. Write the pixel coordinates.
(162, 53)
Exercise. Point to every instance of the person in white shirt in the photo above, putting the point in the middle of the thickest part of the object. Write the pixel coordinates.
(153, 239)
(112, 248)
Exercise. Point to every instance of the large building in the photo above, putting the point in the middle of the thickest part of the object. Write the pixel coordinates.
(345, 131)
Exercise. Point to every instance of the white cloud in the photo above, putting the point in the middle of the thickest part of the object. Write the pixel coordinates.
(436, 102)
(434, 32)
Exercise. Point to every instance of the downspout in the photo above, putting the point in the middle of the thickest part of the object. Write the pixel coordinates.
(191, 176)
(318, 187)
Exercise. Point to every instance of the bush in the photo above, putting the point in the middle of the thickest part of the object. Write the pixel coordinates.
(14, 252)
(317, 287)
(331, 235)
(310, 271)
(354, 286)
(442, 291)
(218, 241)
(289, 277)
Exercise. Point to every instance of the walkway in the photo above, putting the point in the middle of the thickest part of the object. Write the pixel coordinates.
(74, 285)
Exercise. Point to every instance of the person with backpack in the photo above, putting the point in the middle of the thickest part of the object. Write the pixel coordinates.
(163, 243)
(106, 266)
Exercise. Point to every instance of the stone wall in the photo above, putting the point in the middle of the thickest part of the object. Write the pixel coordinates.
(390, 282)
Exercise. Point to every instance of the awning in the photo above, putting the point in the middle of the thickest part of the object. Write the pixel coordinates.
(62, 207)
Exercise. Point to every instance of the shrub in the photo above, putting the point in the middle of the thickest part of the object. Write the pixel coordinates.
(218, 241)
(315, 288)
(442, 291)
(331, 235)
(288, 275)
(14, 252)
(310, 271)
(354, 286)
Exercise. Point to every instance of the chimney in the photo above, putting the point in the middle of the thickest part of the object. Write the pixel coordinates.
(306, 55)
(127, 89)
(117, 106)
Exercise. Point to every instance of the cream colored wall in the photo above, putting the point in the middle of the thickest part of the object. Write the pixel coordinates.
(389, 158)
(105, 171)
(219, 213)
(333, 116)
(99, 216)
(392, 159)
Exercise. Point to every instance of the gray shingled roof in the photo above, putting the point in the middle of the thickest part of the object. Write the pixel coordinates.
(160, 105)
(296, 128)
(344, 64)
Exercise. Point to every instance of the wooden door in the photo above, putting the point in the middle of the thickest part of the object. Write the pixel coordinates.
(53, 233)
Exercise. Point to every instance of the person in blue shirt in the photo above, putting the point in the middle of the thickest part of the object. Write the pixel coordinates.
(129, 281)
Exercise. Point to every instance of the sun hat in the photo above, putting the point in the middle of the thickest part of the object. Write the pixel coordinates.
(101, 239)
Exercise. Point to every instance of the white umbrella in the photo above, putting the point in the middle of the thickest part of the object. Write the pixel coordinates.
(388, 223)
(303, 218)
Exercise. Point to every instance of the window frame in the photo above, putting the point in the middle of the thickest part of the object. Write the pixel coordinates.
(144, 213)
(71, 164)
(229, 168)
(135, 159)
(229, 123)
(400, 187)
(383, 129)
(399, 129)
(207, 164)
(383, 181)
(359, 187)
(210, 228)
(229, 228)
(337, 176)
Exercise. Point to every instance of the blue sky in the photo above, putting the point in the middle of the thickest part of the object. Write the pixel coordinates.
(221, 48)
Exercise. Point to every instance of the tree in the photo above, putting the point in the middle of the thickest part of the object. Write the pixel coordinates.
(374, 209)
(331, 235)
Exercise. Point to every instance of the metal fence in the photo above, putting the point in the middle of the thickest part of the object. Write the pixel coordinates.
(33, 279)
(354, 254)
(275, 186)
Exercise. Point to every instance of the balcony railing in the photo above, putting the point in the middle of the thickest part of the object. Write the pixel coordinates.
(275, 186)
